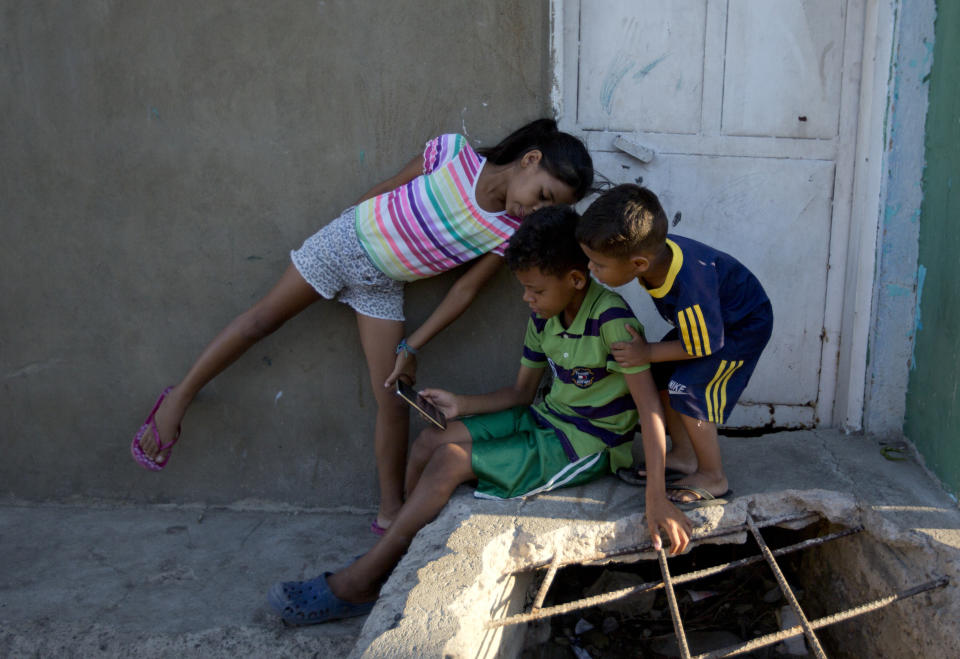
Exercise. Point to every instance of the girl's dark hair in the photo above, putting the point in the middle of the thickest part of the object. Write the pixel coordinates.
(546, 240)
(564, 156)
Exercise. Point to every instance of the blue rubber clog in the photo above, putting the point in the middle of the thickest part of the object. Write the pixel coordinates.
(311, 602)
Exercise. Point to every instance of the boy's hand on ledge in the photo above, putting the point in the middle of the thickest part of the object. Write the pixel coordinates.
(444, 401)
(661, 514)
(405, 367)
(631, 353)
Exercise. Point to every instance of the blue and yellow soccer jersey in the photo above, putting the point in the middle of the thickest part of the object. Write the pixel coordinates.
(709, 296)
(721, 314)
(589, 405)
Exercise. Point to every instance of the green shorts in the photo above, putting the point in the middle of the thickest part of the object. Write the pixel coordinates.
(512, 456)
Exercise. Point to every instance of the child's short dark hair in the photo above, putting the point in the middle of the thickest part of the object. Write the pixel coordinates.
(627, 219)
(547, 240)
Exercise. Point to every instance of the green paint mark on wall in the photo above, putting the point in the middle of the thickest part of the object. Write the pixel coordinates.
(933, 409)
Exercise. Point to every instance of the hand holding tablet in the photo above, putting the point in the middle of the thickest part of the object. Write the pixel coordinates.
(426, 409)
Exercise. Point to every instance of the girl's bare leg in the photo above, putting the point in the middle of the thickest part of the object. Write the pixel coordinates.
(291, 295)
(379, 339)
(448, 467)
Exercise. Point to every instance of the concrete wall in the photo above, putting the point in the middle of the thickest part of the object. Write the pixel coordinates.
(901, 174)
(159, 160)
(933, 402)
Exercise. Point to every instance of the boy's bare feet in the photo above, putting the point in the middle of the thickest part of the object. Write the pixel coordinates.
(715, 484)
(683, 463)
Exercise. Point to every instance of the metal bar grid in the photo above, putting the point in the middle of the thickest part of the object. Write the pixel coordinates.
(819, 623)
(806, 627)
(647, 547)
(603, 598)
(674, 609)
(812, 639)
(547, 580)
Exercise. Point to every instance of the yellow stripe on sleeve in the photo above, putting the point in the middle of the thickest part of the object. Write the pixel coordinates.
(684, 334)
(694, 332)
(704, 335)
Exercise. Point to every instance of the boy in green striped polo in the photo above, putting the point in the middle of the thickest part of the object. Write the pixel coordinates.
(583, 427)
(513, 448)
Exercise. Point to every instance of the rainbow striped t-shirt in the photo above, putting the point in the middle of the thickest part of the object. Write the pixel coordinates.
(433, 223)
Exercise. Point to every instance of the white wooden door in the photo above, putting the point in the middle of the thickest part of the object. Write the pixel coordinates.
(741, 116)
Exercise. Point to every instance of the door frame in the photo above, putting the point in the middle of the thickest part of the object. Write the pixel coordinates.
(858, 194)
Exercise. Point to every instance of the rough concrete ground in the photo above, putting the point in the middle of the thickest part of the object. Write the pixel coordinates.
(89, 580)
(161, 581)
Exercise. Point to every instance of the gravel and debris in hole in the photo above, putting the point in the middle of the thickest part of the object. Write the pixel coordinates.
(718, 611)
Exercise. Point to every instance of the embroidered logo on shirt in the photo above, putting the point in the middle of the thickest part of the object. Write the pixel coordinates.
(582, 377)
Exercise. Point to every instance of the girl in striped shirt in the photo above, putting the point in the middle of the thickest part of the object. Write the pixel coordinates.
(450, 205)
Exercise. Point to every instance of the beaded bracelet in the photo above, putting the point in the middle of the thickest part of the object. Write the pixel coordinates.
(403, 346)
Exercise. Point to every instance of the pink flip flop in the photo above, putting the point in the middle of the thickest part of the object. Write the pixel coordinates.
(151, 424)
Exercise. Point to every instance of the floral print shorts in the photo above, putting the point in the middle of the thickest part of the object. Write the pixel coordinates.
(335, 264)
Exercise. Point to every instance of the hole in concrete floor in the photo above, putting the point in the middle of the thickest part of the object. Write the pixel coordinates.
(717, 611)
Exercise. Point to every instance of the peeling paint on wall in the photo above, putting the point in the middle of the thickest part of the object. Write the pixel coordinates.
(917, 319)
(932, 409)
(891, 345)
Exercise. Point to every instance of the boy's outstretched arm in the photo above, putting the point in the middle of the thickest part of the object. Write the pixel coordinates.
(661, 513)
(456, 301)
(639, 351)
(522, 392)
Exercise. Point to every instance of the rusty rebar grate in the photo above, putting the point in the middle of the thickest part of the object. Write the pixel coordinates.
(794, 518)
(806, 627)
